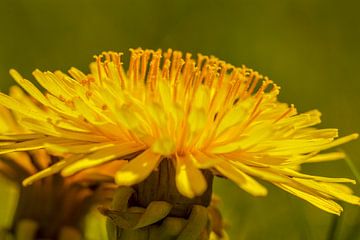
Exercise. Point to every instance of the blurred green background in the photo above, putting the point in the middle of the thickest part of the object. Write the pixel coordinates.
(309, 47)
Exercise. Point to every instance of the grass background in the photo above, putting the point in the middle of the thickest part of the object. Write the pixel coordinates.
(309, 47)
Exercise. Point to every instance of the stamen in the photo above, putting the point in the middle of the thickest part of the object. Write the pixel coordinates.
(144, 62)
(255, 77)
(175, 80)
(188, 66)
(201, 59)
(99, 67)
(224, 67)
(139, 53)
(131, 63)
(154, 70)
(175, 63)
(167, 56)
(116, 58)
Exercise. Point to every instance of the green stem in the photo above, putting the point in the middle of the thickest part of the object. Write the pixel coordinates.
(334, 228)
(353, 168)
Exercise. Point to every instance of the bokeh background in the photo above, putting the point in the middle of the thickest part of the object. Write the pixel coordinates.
(309, 47)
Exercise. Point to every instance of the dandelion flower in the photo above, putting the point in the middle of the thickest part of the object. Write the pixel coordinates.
(202, 116)
(54, 207)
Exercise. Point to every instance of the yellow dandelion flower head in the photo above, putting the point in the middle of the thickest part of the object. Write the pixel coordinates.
(76, 194)
(198, 113)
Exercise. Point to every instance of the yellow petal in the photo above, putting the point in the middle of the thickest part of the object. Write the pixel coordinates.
(157, 114)
(39, 126)
(20, 137)
(292, 173)
(87, 112)
(318, 201)
(52, 130)
(225, 148)
(326, 157)
(137, 169)
(76, 74)
(329, 189)
(29, 87)
(295, 146)
(51, 170)
(233, 117)
(165, 94)
(261, 172)
(340, 141)
(99, 173)
(22, 146)
(101, 156)
(202, 160)
(80, 147)
(126, 117)
(189, 180)
(7, 122)
(202, 97)
(53, 84)
(164, 146)
(17, 106)
(241, 179)
(197, 119)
